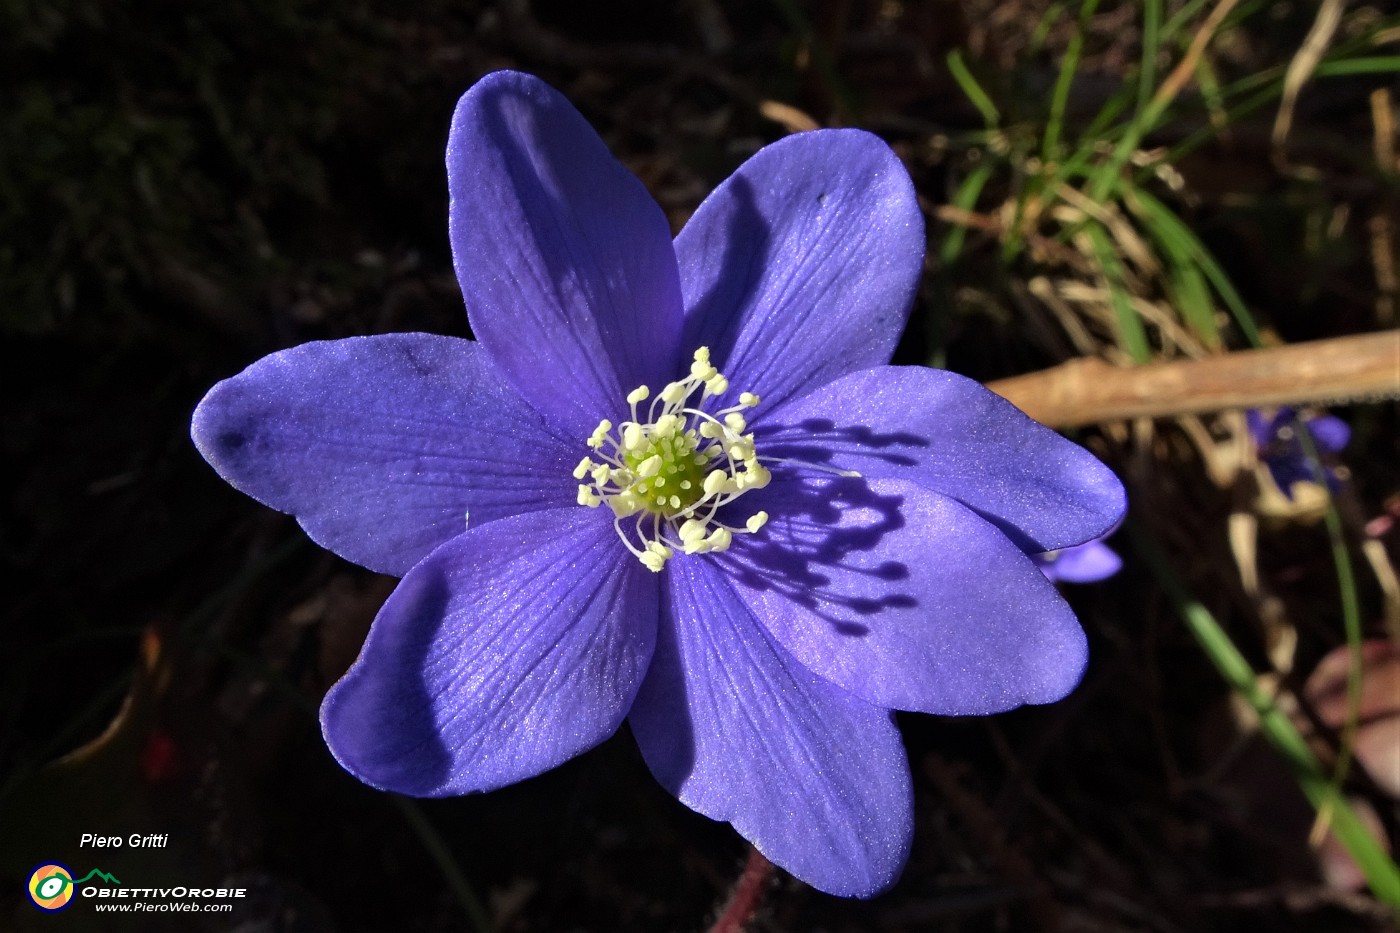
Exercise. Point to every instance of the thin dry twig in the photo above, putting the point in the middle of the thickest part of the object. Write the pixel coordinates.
(1382, 223)
(1185, 68)
(1329, 17)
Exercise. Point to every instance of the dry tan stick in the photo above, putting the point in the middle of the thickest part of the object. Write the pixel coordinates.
(1363, 368)
(1383, 140)
(1382, 223)
(788, 116)
(1187, 66)
(1329, 17)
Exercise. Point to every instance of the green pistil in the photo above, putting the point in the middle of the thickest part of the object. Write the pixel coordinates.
(679, 483)
(669, 468)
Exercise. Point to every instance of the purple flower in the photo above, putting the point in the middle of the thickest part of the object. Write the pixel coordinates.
(1089, 562)
(753, 560)
(1282, 452)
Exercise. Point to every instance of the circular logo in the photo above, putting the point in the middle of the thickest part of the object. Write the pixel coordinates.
(51, 886)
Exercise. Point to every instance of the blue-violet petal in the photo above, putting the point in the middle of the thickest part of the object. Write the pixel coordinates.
(948, 433)
(1089, 562)
(731, 724)
(905, 597)
(382, 447)
(564, 259)
(508, 651)
(803, 264)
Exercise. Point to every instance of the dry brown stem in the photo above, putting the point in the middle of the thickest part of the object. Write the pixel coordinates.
(1087, 391)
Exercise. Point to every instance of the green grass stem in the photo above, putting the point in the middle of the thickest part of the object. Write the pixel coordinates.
(965, 198)
(1166, 224)
(1132, 336)
(1378, 868)
(974, 91)
(1059, 99)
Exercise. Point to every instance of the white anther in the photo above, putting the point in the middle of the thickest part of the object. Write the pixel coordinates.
(696, 546)
(600, 434)
(625, 504)
(673, 464)
(719, 539)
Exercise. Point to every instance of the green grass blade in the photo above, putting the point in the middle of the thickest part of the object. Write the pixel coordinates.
(1378, 868)
(1379, 64)
(1180, 18)
(1190, 294)
(1042, 28)
(1264, 86)
(1209, 84)
(1059, 99)
(1151, 37)
(1163, 221)
(965, 198)
(1192, 298)
(1351, 608)
(1132, 336)
(979, 97)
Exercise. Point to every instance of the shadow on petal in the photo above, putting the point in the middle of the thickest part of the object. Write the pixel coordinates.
(820, 526)
(903, 596)
(814, 440)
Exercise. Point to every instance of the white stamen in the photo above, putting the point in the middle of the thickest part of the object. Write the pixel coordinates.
(674, 470)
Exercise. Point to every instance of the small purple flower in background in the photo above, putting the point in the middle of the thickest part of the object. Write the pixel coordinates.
(1089, 562)
(673, 483)
(1283, 453)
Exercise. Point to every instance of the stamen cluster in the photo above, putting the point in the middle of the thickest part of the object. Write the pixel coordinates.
(675, 468)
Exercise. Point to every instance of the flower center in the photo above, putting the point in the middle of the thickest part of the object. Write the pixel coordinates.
(674, 468)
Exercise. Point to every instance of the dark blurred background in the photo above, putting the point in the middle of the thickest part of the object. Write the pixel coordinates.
(187, 187)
